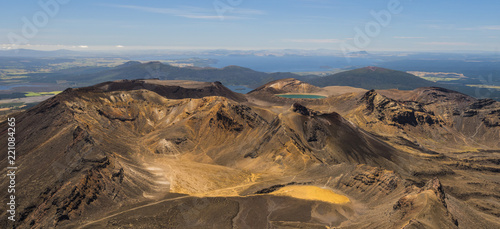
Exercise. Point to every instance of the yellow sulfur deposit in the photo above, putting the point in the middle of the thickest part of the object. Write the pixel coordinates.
(312, 193)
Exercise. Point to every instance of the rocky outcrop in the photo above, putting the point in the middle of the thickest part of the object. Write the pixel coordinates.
(416, 206)
(394, 112)
(435, 186)
(302, 110)
(286, 86)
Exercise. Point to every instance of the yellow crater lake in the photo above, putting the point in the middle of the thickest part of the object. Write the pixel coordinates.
(308, 192)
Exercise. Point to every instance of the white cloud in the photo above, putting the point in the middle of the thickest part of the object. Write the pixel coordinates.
(194, 12)
(454, 27)
(245, 11)
(44, 46)
(7, 46)
(448, 43)
(119, 46)
(314, 41)
(409, 37)
(440, 27)
(485, 27)
(195, 16)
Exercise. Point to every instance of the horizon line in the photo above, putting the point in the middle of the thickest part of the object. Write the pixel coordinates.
(156, 49)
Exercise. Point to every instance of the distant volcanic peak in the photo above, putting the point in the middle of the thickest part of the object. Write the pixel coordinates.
(154, 62)
(157, 66)
(374, 78)
(129, 63)
(233, 67)
(373, 68)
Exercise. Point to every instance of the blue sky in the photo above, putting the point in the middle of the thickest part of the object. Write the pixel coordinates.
(422, 25)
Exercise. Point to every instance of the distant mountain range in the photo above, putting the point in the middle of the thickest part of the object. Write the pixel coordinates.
(230, 75)
(367, 77)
